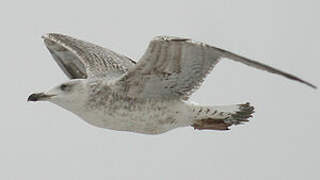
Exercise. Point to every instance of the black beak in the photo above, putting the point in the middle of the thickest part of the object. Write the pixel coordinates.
(39, 97)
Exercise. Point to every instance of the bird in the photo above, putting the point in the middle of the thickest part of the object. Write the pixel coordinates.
(150, 96)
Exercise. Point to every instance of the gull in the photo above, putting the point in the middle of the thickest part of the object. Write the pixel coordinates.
(151, 96)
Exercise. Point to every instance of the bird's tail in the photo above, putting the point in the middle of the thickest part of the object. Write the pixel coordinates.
(220, 117)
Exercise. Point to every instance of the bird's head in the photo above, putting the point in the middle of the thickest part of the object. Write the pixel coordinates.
(69, 95)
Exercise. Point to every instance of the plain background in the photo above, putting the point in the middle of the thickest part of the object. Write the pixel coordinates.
(43, 141)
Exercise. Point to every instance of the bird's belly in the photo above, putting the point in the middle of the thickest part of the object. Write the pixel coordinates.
(147, 119)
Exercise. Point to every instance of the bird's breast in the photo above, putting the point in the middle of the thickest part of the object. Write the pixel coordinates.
(142, 116)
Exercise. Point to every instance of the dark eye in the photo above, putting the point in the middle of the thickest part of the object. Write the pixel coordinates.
(63, 87)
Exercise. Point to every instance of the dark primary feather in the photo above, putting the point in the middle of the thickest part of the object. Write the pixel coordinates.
(261, 66)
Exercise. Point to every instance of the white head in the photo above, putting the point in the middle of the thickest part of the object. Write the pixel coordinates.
(70, 95)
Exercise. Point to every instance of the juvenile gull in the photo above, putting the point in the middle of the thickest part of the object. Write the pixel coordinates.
(112, 91)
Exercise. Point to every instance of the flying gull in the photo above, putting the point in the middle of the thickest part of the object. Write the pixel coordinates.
(150, 96)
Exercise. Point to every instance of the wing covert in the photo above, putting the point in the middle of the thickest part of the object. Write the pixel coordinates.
(170, 67)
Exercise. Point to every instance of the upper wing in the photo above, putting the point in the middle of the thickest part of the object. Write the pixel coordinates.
(80, 59)
(175, 67)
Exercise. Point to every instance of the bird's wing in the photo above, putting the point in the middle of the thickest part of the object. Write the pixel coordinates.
(175, 67)
(79, 59)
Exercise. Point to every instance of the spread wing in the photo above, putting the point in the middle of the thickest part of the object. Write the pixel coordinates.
(79, 59)
(175, 67)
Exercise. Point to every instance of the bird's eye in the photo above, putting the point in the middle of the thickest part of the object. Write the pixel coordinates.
(63, 87)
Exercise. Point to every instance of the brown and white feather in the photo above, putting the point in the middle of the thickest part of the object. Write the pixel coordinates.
(80, 59)
(175, 67)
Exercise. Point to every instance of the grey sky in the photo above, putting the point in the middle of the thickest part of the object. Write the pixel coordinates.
(43, 141)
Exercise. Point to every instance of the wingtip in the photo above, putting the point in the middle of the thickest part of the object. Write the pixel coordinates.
(312, 86)
(48, 39)
(44, 36)
(47, 35)
(169, 38)
(52, 35)
(308, 84)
